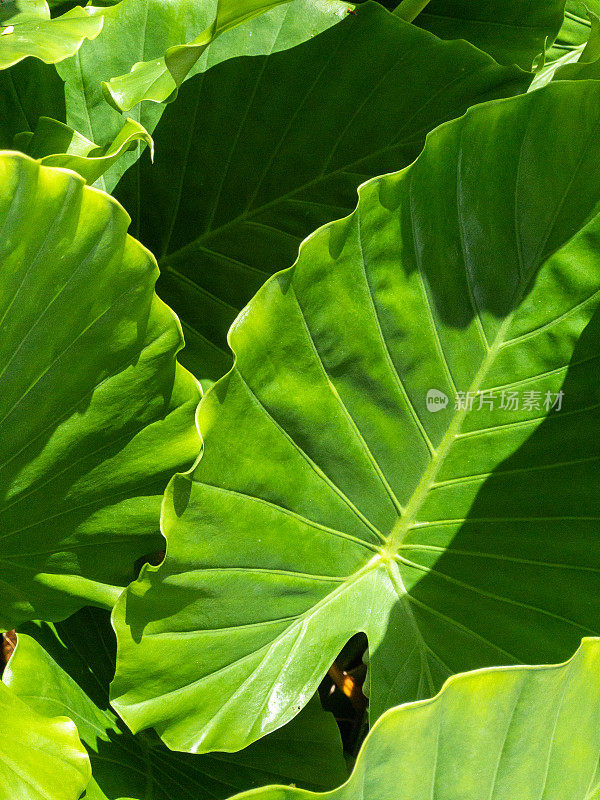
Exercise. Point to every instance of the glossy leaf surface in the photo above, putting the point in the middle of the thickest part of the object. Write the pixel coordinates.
(67, 671)
(236, 186)
(530, 733)
(133, 30)
(14, 12)
(364, 466)
(587, 65)
(578, 63)
(95, 413)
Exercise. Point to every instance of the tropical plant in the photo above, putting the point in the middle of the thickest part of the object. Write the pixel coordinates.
(323, 577)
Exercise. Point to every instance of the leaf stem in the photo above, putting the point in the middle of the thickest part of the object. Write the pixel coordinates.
(408, 10)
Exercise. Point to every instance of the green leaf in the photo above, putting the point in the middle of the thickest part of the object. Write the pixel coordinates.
(67, 671)
(575, 29)
(408, 10)
(132, 29)
(237, 185)
(95, 413)
(27, 91)
(580, 63)
(60, 6)
(41, 756)
(333, 497)
(145, 29)
(551, 68)
(157, 80)
(17, 11)
(512, 31)
(57, 145)
(587, 66)
(524, 733)
(27, 30)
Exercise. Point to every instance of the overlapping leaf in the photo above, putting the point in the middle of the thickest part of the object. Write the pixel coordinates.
(41, 756)
(575, 29)
(28, 90)
(366, 466)
(248, 164)
(157, 80)
(15, 12)
(133, 30)
(27, 30)
(142, 30)
(57, 145)
(526, 732)
(580, 63)
(95, 412)
(513, 31)
(67, 671)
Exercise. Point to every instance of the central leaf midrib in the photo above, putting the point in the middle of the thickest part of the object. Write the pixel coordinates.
(428, 479)
(386, 557)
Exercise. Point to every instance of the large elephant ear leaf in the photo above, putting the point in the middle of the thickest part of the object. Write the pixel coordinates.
(406, 445)
(41, 756)
(95, 412)
(66, 669)
(27, 30)
(524, 732)
(512, 31)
